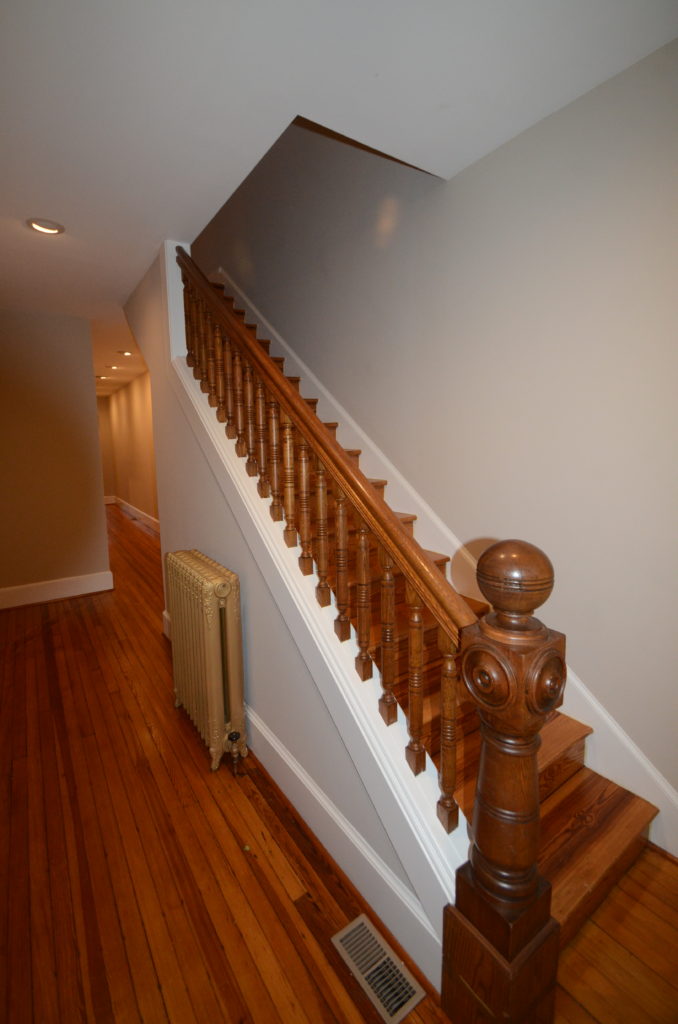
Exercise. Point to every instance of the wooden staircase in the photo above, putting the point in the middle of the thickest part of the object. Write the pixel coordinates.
(591, 829)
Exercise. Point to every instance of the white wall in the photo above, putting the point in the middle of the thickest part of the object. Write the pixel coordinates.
(509, 340)
(53, 539)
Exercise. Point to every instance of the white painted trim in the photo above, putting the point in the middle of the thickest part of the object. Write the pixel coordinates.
(406, 804)
(610, 750)
(173, 300)
(56, 590)
(110, 499)
(136, 513)
(336, 833)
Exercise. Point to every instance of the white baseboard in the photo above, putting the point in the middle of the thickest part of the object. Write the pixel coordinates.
(611, 752)
(136, 513)
(389, 896)
(110, 499)
(55, 590)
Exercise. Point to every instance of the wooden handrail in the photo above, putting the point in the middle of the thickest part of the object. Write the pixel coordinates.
(447, 606)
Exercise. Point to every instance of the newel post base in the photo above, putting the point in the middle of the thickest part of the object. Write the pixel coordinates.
(500, 944)
(498, 966)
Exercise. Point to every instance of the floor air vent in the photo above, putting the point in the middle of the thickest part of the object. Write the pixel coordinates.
(386, 980)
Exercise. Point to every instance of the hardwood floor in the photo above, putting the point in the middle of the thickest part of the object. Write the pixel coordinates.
(136, 885)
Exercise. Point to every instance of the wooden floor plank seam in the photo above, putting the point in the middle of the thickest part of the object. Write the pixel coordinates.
(137, 885)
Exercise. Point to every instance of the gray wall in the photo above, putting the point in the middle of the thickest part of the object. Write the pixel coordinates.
(51, 490)
(508, 338)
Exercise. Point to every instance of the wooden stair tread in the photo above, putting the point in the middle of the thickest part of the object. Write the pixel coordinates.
(592, 830)
(560, 756)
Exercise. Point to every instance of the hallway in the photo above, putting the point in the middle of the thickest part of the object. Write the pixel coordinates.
(136, 885)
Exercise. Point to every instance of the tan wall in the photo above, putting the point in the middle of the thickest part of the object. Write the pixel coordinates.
(53, 523)
(508, 339)
(131, 426)
(106, 440)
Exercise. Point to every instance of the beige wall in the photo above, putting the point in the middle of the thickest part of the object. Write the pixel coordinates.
(130, 423)
(53, 523)
(508, 339)
(106, 440)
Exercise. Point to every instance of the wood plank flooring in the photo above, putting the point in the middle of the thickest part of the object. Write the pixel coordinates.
(136, 885)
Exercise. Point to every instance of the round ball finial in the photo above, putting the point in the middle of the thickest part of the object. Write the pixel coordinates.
(515, 577)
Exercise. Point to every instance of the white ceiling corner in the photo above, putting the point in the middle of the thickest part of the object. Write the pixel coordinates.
(132, 122)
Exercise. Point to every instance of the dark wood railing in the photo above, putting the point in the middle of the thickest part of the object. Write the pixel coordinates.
(299, 463)
(500, 942)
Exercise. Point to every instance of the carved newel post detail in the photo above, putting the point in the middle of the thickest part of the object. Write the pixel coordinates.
(500, 942)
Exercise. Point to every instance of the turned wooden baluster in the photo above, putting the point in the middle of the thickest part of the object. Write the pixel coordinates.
(229, 382)
(211, 362)
(250, 436)
(322, 590)
(289, 501)
(342, 623)
(197, 334)
(263, 486)
(304, 467)
(238, 404)
(189, 301)
(448, 812)
(500, 942)
(388, 705)
(219, 373)
(274, 459)
(363, 662)
(202, 327)
(415, 751)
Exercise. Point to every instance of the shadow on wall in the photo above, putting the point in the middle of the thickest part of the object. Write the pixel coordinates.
(463, 568)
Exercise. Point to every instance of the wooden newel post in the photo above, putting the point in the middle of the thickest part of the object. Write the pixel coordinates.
(500, 946)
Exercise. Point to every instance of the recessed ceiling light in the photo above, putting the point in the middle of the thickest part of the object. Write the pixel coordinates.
(45, 227)
(121, 353)
(102, 377)
(111, 367)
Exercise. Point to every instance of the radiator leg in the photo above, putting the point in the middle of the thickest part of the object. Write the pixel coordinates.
(233, 738)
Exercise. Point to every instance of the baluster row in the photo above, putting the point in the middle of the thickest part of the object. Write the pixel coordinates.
(307, 499)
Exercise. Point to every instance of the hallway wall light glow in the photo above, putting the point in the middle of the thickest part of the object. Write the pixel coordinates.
(45, 227)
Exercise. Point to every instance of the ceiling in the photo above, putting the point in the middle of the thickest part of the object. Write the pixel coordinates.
(133, 121)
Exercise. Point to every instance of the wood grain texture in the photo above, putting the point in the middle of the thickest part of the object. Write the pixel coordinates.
(165, 892)
(136, 884)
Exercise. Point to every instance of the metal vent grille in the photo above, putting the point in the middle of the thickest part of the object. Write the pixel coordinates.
(385, 979)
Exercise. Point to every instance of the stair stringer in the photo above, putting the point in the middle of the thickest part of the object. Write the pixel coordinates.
(406, 805)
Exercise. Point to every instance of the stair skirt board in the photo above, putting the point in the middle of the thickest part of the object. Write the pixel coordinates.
(610, 751)
(406, 804)
(364, 866)
(56, 590)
